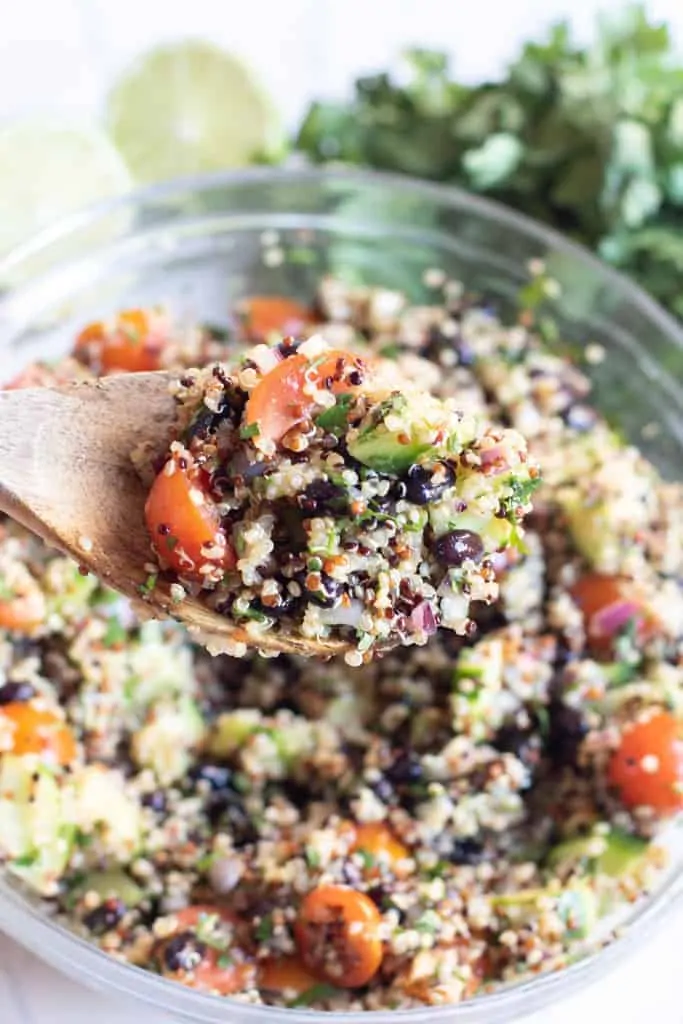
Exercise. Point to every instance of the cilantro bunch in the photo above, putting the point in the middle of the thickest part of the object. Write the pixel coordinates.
(587, 139)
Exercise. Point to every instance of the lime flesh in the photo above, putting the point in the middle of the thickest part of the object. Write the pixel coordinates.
(189, 108)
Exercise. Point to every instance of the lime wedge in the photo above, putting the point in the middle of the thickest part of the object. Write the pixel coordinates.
(48, 170)
(191, 107)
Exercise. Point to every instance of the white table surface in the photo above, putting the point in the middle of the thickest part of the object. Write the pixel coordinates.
(57, 56)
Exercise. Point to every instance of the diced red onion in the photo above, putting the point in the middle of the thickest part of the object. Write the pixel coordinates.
(422, 619)
(613, 617)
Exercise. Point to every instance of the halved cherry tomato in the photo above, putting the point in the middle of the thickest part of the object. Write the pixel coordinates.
(608, 604)
(264, 314)
(201, 965)
(130, 343)
(183, 521)
(25, 611)
(647, 766)
(337, 933)
(376, 839)
(26, 729)
(279, 401)
(285, 974)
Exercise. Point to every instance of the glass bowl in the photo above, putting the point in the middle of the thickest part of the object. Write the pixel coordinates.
(195, 246)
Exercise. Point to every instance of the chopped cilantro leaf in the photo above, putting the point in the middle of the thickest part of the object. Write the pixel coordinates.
(264, 929)
(312, 857)
(314, 994)
(115, 634)
(334, 420)
(27, 860)
(249, 430)
(150, 583)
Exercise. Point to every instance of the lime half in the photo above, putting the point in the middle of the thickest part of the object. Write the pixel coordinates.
(48, 170)
(191, 107)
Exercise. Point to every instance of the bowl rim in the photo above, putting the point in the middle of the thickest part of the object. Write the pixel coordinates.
(437, 192)
(129, 981)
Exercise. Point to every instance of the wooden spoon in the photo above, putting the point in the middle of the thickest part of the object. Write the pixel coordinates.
(66, 474)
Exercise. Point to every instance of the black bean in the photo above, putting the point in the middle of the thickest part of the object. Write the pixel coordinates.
(580, 418)
(383, 790)
(320, 496)
(286, 605)
(218, 776)
(425, 484)
(466, 851)
(226, 810)
(565, 733)
(298, 793)
(156, 801)
(525, 744)
(20, 692)
(406, 769)
(184, 952)
(329, 594)
(105, 917)
(458, 546)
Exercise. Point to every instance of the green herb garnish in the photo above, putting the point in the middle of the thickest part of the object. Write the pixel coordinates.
(368, 859)
(249, 430)
(334, 420)
(264, 929)
(588, 138)
(27, 860)
(314, 994)
(150, 583)
(115, 634)
(312, 857)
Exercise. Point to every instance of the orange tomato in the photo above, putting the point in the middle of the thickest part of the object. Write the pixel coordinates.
(285, 974)
(26, 729)
(279, 401)
(220, 971)
(264, 314)
(608, 603)
(337, 933)
(376, 839)
(182, 520)
(647, 767)
(130, 343)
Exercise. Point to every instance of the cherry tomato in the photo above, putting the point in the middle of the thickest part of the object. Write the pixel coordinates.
(608, 604)
(183, 522)
(265, 314)
(26, 729)
(210, 969)
(279, 401)
(337, 933)
(25, 611)
(130, 343)
(647, 766)
(376, 839)
(285, 974)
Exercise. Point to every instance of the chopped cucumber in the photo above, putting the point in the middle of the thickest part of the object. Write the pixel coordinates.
(231, 730)
(392, 437)
(110, 884)
(615, 854)
(578, 909)
(34, 834)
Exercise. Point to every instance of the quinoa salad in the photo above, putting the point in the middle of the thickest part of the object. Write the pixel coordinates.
(318, 492)
(409, 830)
